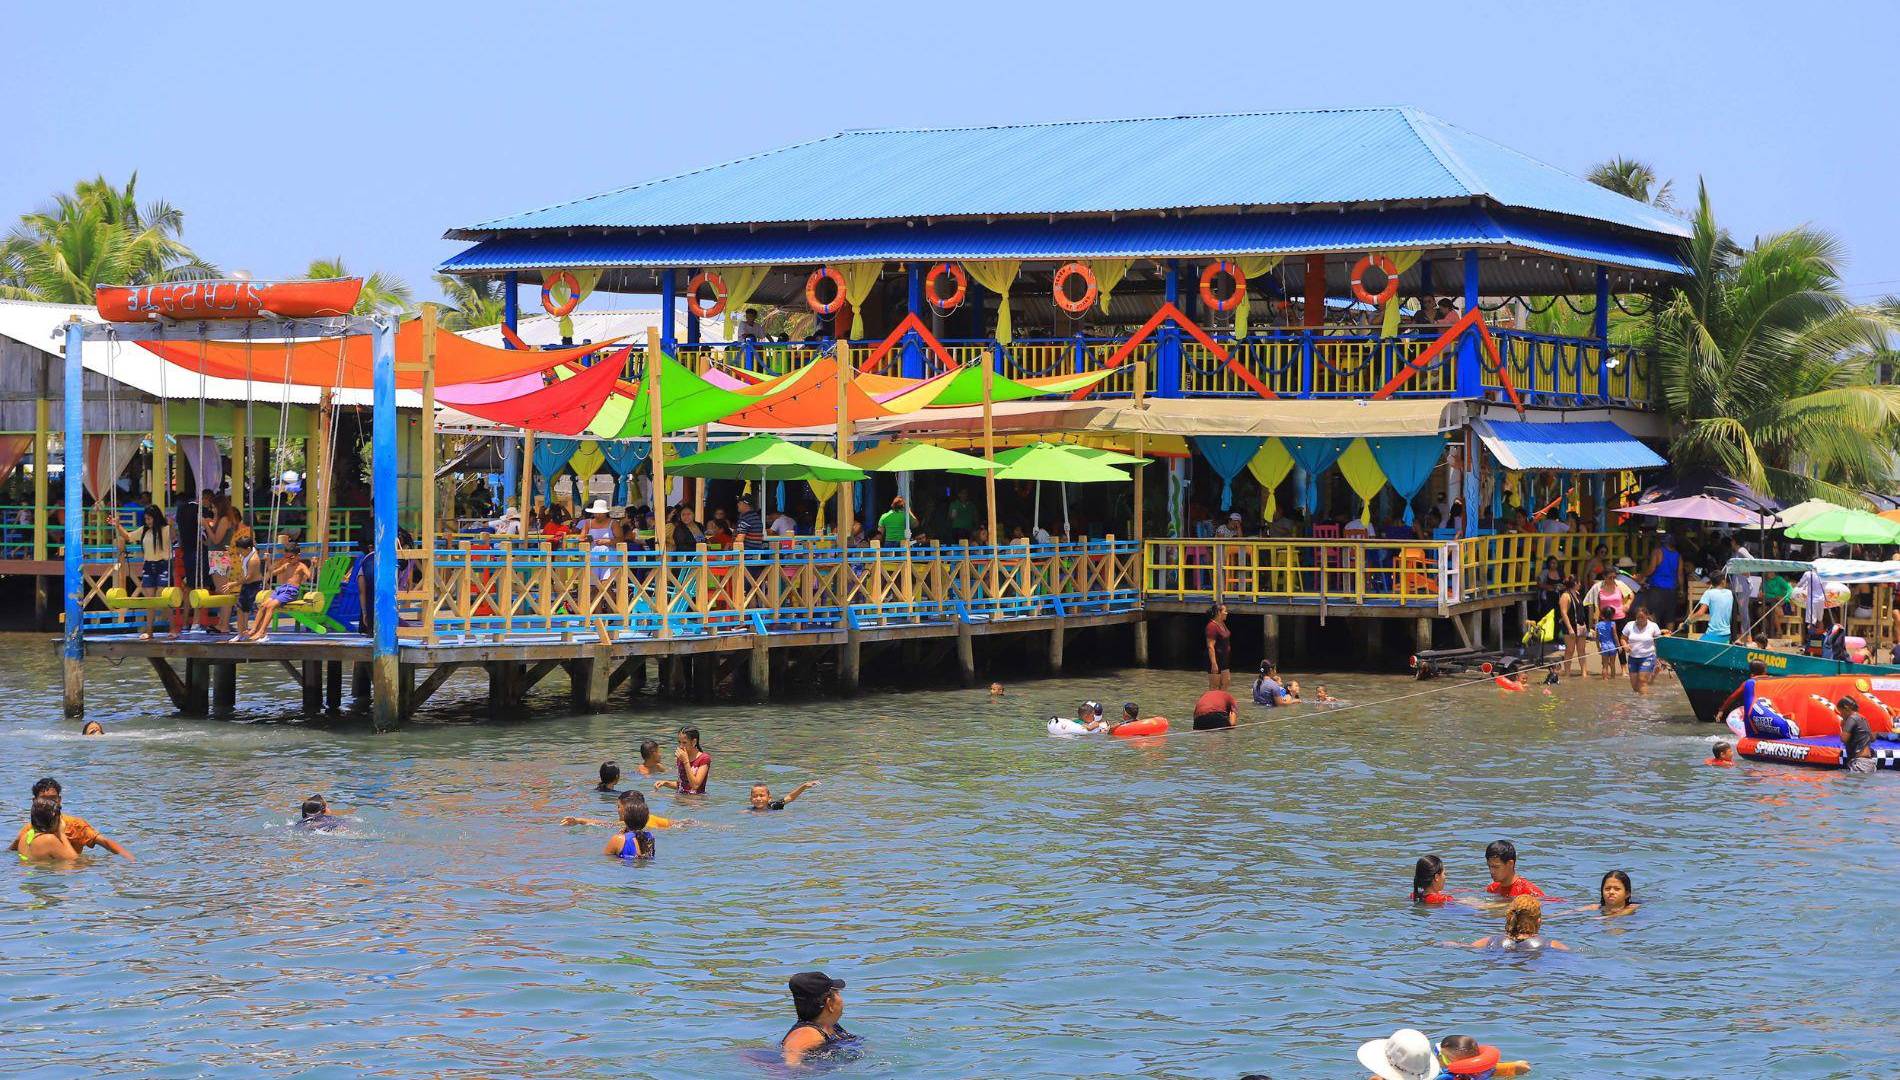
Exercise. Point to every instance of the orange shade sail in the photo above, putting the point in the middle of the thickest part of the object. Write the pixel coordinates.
(562, 408)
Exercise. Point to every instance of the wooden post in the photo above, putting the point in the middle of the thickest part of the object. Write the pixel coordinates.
(319, 476)
(699, 483)
(1141, 643)
(240, 444)
(966, 652)
(159, 481)
(657, 458)
(527, 479)
(843, 448)
(42, 421)
(427, 532)
(1270, 637)
(223, 685)
(989, 455)
(1056, 641)
(761, 668)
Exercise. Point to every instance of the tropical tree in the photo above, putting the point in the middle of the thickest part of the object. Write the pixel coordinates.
(382, 293)
(1767, 369)
(472, 302)
(96, 235)
(1636, 179)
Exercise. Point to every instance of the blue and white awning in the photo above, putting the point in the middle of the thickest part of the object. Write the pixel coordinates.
(1589, 446)
(1845, 571)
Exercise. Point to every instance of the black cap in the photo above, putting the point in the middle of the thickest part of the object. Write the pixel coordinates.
(1130, 708)
(813, 984)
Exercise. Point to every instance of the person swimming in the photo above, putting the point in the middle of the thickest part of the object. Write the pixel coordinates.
(93, 727)
(1269, 690)
(818, 1001)
(1464, 1056)
(43, 840)
(633, 842)
(317, 817)
(654, 821)
(650, 764)
(609, 779)
(78, 831)
(693, 762)
(1428, 881)
(1523, 929)
(1721, 755)
(1615, 896)
(996, 689)
(761, 797)
(1500, 857)
(1322, 695)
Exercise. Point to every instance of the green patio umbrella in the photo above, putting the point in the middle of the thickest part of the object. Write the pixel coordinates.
(1802, 511)
(1839, 526)
(764, 457)
(1048, 461)
(900, 456)
(1086, 453)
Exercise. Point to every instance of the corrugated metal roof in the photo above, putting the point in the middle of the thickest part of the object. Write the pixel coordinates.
(541, 329)
(1268, 159)
(1019, 238)
(1592, 446)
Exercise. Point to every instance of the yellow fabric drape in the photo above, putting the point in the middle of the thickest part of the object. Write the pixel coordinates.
(1270, 467)
(1362, 474)
(1401, 262)
(824, 489)
(858, 279)
(1108, 274)
(1253, 266)
(741, 283)
(996, 275)
(587, 460)
(558, 293)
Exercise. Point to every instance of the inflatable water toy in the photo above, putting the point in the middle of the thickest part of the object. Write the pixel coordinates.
(1800, 713)
(227, 299)
(1136, 729)
(1509, 682)
(1063, 726)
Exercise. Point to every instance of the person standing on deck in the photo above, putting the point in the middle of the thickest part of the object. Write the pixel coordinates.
(1220, 648)
(750, 526)
(1662, 578)
(1745, 587)
(1718, 602)
(962, 517)
(893, 526)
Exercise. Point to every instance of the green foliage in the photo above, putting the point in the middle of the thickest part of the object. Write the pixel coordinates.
(96, 235)
(1635, 179)
(382, 293)
(470, 302)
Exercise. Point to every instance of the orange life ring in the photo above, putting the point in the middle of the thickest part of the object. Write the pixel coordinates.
(811, 290)
(1485, 1060)
(562, 277)
(706, 277)
(1214, 270)
(946, 304)
(1087, 300)
(1391, 280)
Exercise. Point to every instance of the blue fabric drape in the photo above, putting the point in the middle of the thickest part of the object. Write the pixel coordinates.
(1314, 456)
(1407, 463)
(549, 456)
(623, 457)
(1228, 455)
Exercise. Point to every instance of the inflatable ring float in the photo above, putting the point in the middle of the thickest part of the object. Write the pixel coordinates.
(1214, 270)
(565, 308)
(1063, 726)
(1135, 729)
(706, 277)
(946, 304)
(1079, 305)
(1391, 280)
(825, 273)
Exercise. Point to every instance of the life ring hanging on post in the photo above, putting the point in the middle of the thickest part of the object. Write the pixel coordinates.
(1086, 301)
(706, 277)
(1391, 280)
(566, 308)
(946, 304)
(1214, 270)
(825, 273)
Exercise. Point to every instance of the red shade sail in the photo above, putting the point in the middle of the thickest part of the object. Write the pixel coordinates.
(562, 408)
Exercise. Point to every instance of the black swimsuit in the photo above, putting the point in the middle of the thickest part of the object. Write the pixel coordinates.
(835, 1039)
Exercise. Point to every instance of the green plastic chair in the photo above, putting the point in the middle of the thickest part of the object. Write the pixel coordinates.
(314, 616)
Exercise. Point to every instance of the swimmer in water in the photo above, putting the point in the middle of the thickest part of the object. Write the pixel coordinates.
(93, 727)
(1463, 1055)
(633, 842)
(1428, 881)
(78, 831)
(317, 817)
(996, 689)
(1270, 690)
(1722, 756)
(1523, 924)
(762, 796)
(43, 840)
(650, 764)
(1500, 857)
(609, 778)
(1614, 895)
(1215, 710)
(694, 765)
(654, 821)
(818, 1000)
(1322, 695)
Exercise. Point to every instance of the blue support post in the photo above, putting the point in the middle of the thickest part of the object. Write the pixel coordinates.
(1470, 382)
(73, 436)
(1601, 330)
(511, 300)
(669, 294)
(914, 300)
(1168, 352)
(692, 324)
(385, 703)
(511, 447)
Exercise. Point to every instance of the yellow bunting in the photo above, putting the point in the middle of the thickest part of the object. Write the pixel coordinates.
(1270, 467)
(1252, 266)
(996, 275)
(587, 460)
(858, 279)
(1363, 475)
(1401, 262)
(1108, 274)
(824, 489)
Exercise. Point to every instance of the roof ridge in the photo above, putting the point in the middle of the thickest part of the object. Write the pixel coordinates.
(1121, 120)
(1443, 154)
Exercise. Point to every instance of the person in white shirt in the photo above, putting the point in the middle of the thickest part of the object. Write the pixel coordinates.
(1639, 635)
(1555, 523)
(1231, 529)
(783, 525)
(1041, 535)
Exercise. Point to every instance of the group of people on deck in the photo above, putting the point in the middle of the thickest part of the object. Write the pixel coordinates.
(209, 545)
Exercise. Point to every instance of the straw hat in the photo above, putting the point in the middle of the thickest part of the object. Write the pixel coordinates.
(1407, 1055)
(599, 507)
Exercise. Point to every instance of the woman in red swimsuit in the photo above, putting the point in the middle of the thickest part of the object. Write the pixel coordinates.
(694, 763)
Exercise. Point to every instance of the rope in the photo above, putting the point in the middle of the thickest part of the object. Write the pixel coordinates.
(1647, 308)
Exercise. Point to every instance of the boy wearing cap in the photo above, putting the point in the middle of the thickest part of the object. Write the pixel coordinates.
(818, 1000)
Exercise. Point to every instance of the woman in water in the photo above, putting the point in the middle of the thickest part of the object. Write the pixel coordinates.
(634, 841)
(1614, 895)
(1428, 881)
(44, 840)
(1269, 690)
(1522, 925)
(694, 764)
(1574, 626)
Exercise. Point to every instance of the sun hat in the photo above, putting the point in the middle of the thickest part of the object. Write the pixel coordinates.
(1407, 1055)
(599, 507)
(1626, 563)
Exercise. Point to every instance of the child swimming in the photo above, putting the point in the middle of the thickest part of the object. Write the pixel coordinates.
(1721, 755)
(1615, 896)
(1523, 926)
(1428, 881)
(654, 821)
(633, 842)
(1463, 1055)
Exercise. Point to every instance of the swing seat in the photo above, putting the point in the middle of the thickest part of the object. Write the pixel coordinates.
(168, 599)
(205, 598)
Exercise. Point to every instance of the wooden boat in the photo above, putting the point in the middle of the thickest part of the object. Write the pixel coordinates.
(188, 300)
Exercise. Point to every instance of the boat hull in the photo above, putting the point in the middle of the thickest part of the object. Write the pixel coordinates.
(228, 299)
(1709, 672)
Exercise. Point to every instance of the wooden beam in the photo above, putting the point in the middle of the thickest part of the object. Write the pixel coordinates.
(843, 447)
(318, 475)
(174, 685)
(433, 683)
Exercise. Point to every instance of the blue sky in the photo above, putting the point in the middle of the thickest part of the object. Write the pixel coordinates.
(369, 131)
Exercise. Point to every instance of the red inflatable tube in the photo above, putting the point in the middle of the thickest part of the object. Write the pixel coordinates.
(1483, 1062)
(1793, 753)
(1508, 682)
(1135, 729)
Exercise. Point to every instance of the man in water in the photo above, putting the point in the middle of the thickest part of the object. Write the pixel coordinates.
(762, 796)
(317, 816)
(654, 821)
(818, 999)
(79, 833)
(1856, 737)
(93, 727)
(1500, 857)
(1215, 710)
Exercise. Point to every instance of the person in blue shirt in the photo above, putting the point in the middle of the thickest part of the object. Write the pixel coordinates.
(1719, 604)
(1608, 648)
(1269, 690)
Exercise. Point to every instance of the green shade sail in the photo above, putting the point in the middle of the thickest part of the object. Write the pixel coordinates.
(763, 457)
(966, 387)
(686, 401)
(1842, 526)
(901, 456)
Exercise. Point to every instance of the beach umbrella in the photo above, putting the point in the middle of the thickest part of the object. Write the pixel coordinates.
(1087, 453)
(766, 457)
(1048, 461)
(901, 456)
(1891, 515)
(1700, 508)
(1802, 511)
(1846, 526)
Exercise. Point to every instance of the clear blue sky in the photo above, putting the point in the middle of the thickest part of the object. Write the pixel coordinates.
(367, 132)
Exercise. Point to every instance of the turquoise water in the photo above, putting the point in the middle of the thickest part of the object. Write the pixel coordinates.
(1002, 903)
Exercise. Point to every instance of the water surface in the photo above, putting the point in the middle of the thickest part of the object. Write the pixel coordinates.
(1002, 903)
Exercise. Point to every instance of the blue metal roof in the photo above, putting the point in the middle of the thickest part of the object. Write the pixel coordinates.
(1250, 160)
(1018, 238)
(1591, 446)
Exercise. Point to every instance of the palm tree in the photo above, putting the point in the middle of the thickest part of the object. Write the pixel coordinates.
(472, 302)
(1769, 371)
(382, 293)
(97, 235)
(1636, 179)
